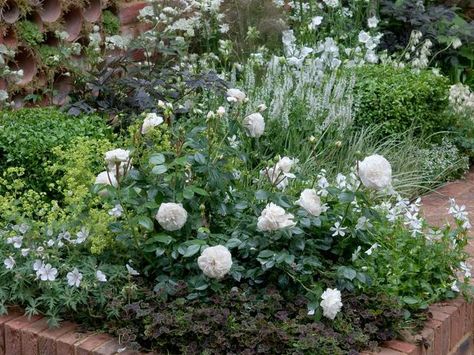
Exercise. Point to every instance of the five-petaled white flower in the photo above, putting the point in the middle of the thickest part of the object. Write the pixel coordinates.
(215, 262)
(331, 302)
(310, 201)
(132, 271)
(116, 211)
(151, 121)
(255, 125)
(82, 235)
(9, 263)
(273, 218)
(171, 216)
(372, 22)
(337, 229)
(47, 273)
(100, 276)
(375, 172)
(372, 248)
(74, 278)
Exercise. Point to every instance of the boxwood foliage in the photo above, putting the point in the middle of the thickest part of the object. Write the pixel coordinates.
(28, 136)
(400, 98)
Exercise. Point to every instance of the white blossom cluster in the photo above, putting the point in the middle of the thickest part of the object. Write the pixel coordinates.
(461, 99)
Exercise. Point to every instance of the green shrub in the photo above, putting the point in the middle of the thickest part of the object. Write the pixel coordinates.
(29, 32)
(28, 137)
(400, 99)
(111, 23)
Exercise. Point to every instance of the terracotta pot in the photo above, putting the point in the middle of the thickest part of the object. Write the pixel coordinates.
(50, 10)
(73, 23)
(62, 87)
(8, 37)
(18, 101)
(36, 19)
(24, 60)
(93, 11)
(128, 12)
(3, 84)
(34, 3)
(10, 11)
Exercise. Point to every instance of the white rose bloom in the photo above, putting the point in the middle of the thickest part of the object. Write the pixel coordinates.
(274, 217)
(171, 216)
(215, 262)
(310, 201)
(255, 125)
(151, 120)
(285, 164)
(106, 178)
(375, 172)
(117, 156)
(331, 302)
(235, 95)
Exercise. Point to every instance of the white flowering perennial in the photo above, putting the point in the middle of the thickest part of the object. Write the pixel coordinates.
(151, 121)
(274, 218)
(460, 214)
(331, 303)
(375, 172)
(461, 99)
(171, 216)
(236, 95)
(215, 262)
(254, 124)
(310, 201)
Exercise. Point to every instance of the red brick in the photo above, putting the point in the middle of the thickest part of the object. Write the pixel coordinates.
(387, 351)
(441, 336)
(29, 336)
(47, 338)
(13, 333)
(427, 341)
(4, 319)
(403, 347)
(456, 323)
(66, 344)
(109, 348)
(92, 342)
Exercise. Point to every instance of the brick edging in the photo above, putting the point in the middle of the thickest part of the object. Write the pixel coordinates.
(22, 335)
(448, 331)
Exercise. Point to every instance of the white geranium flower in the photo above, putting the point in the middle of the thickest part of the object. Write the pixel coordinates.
(116, 211)
(236, 95)
(331, 302)
(337, 229)
(117, 156)
(100, 276)
(25, 251)
(106, 178)
(38, 264)
(74, 278)
(47, 273)
(215, 262)
(274, 217)
(9, 263)
(17, 241)
(132, 271)
(315, 22)
(375, 172)
(151, 120)
(356, 253)
(171, 216)
(331, 3)
(454, 286)
(457, 43)
(363, 37)
(466, 268)
(363, 223)
(373, 22)
(82, 235)
(372, 248)
(310, 201)
(255, 125)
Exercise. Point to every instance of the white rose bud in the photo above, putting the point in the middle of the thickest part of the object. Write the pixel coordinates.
(235, 95)
(171, 216)
(261, 107)
(220, 111)
(273, 218)
(310, 201)
(106, 178)
(117, 156)
(375, 172)
(331, 302)
(151, 120)
(285, 164)
(255, 125)
(215, 262)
